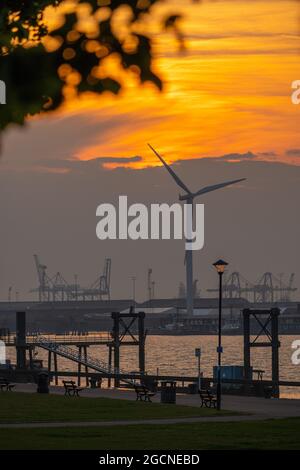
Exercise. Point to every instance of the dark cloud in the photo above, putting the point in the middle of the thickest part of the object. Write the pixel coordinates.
(76, 164)
(240, 157)
(52, 143)
(226, 158)
(118, 159)
(293, 153)
(121, 160)
(236, 156)
(267, 154)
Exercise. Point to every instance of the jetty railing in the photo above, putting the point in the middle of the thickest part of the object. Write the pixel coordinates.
(86, 359)
(99, 338)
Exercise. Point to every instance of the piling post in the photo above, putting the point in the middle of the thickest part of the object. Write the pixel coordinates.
(21, 340)
(30, 358)
(86, 367)
(55, 368)
(116, 343)
(267, 320)
(109, 364)
(247, 351)
(49, 361)
(141, 332)
(247, 358)
(79, 366)
(275, 351)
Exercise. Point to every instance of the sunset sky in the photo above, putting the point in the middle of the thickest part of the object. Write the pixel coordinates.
(229, 91)
(227, 96)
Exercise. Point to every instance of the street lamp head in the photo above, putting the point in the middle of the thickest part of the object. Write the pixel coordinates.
(220, 266)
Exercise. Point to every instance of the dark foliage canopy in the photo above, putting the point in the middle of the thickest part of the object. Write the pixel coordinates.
(37, 76)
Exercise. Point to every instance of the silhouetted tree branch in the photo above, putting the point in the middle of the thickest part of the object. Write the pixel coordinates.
(41, 67)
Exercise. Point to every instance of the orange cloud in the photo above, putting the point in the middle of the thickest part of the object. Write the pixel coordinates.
(229, 90)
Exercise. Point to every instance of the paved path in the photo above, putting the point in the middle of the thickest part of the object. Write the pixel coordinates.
(76, 424)
(258, 409)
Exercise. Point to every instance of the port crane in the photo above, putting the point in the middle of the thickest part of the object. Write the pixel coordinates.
(56, 288)
(268, 288)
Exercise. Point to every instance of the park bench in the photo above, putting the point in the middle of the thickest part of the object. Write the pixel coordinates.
(207, 399)
(6, 384)
(71, 389)
(143, 393)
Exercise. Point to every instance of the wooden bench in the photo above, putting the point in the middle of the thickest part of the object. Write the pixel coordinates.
(6, 384)
(143, 393)
(207, 399)
(71, 389)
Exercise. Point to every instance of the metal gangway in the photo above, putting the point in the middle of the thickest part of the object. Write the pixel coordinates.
(87, 360)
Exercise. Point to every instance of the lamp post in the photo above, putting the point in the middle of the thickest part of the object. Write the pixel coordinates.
(220, 266)
(133, 278)
(198, 355)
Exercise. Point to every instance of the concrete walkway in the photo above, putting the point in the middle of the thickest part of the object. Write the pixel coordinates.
(257, 409)
(77, 424)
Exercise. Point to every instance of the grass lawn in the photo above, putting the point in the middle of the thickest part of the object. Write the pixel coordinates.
(33, 407)
(271, 434)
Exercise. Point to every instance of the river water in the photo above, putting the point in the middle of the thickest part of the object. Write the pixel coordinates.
(175, 355)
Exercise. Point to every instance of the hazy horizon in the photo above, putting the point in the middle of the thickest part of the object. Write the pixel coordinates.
(54, 215)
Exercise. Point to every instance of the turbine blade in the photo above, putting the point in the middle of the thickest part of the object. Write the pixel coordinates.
(208, 189)
(172, 173)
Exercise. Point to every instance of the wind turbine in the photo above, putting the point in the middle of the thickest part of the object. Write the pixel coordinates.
(189, 198)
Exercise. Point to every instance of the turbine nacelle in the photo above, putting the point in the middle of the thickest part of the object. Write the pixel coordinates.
(186, 197)
(188, 194)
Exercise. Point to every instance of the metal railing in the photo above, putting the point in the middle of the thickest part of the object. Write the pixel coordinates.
(86, 359)
(104, 337)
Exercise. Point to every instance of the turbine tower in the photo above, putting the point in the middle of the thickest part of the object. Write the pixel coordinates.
(189, 198)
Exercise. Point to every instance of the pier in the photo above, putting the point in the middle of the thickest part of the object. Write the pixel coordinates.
(128, 330)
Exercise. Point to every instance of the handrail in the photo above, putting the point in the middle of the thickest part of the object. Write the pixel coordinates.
(85, 360)
(73, 338)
